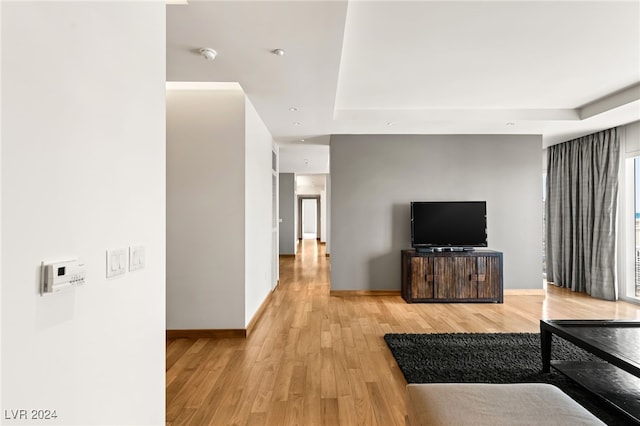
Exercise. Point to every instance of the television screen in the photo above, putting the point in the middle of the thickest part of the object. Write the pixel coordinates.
(448, 224)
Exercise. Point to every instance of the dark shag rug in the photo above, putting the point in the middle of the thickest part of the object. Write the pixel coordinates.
(492, 358)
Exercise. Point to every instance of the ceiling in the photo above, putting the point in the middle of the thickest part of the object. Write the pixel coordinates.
(561, 69)
(304, 158)
(315, 181)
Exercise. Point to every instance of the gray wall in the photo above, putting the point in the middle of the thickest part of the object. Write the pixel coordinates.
(205, 209)
(287, 213)
(375, 177)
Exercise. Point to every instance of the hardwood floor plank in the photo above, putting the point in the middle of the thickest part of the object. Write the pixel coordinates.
(347, 410)
(328, 389)
(294, 410)
(185, 385)
(364, 411)
(257, 419)
(298, 378)
(330, 413)
(283, 381)
(260, 403)
(316, 359)
(277, 413)
(176, 348)
(379, 401)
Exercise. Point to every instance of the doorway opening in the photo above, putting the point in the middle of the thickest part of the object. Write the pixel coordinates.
(309, 217)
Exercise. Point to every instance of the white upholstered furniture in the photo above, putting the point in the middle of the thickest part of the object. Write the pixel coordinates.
(493, 404)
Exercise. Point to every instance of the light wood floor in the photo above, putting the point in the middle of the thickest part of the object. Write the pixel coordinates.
(314, 359)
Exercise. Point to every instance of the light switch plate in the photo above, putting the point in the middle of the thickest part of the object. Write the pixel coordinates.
(136, 258)
(116, 262)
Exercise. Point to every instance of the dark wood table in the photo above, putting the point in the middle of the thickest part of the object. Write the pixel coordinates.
(617, 343)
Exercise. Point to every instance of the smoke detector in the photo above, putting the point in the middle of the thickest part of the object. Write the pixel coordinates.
(208, 53)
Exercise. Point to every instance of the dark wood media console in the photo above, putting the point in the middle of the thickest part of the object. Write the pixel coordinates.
(458, 276)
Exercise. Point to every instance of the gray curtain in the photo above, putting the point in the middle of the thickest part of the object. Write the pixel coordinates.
(582, 191)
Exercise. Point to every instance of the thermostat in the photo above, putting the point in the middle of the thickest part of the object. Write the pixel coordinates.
(61, 275)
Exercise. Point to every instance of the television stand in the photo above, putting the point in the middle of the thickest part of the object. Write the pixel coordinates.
(452, 276)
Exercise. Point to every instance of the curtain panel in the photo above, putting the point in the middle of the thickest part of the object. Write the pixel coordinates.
(582, 196)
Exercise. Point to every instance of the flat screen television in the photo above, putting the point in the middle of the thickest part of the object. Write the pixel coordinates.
(448, 224)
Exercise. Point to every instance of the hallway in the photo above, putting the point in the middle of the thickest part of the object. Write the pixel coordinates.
(314, 359)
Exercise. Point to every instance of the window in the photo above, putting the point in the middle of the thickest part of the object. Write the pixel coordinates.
(544, 226)
(636, 227)
(629, 230)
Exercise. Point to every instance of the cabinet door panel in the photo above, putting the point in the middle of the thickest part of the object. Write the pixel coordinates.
(422, 278)
(444, 280)
(455, 278)
(466, 278)
(489, 277)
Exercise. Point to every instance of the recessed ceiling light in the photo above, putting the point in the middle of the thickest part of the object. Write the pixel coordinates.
(279, 52)
(301, 140)
(293, 109)
(511, 123)
(208, 53)
(390, 123)
(297, 123)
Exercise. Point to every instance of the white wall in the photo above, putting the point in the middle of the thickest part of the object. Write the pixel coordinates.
(374, 178)
(323, 216)
(287, 213)
(83, 170)
(296, 214)
(328, 215)
(205, 209)
(309, 190)
(1, 385)
(258, 212)
(631, 137)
